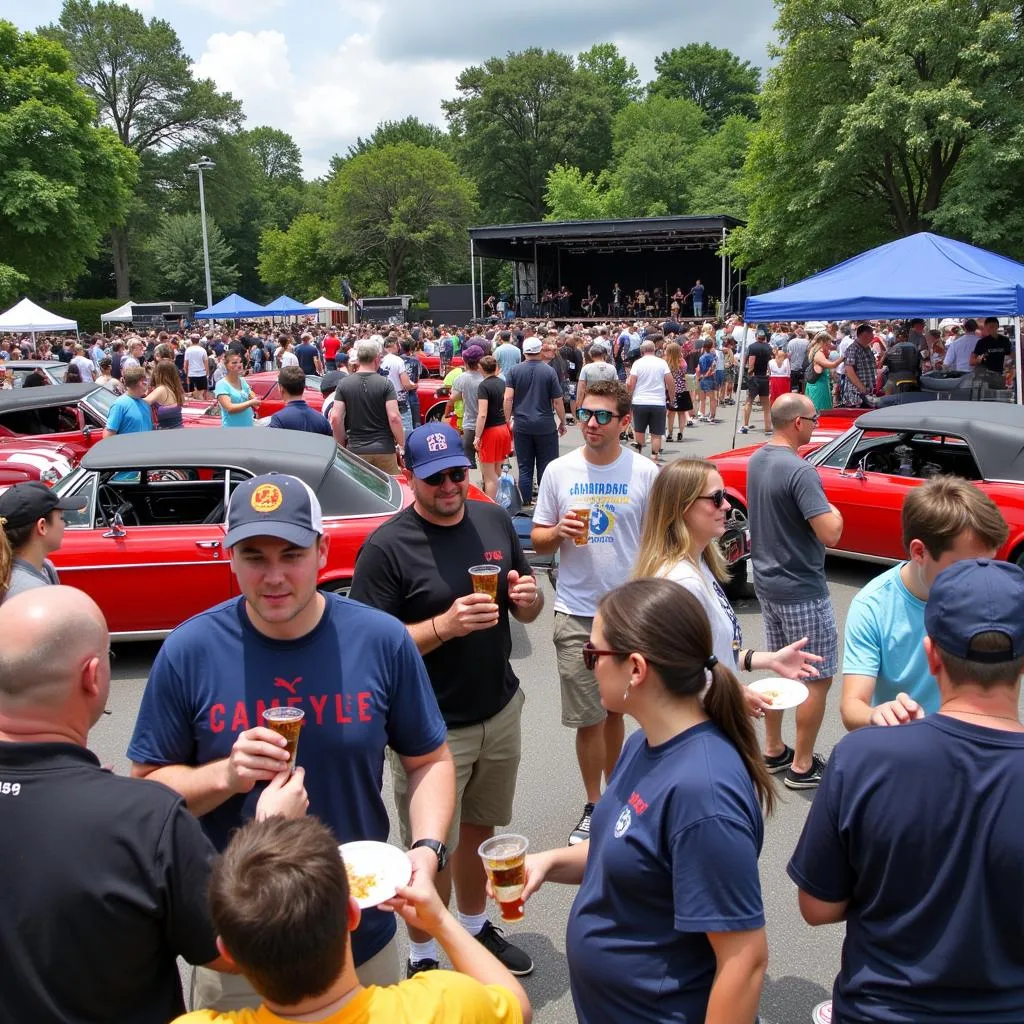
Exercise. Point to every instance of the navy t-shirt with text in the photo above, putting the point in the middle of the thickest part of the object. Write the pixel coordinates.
(674, 843)
(921, 829)
(357, 675)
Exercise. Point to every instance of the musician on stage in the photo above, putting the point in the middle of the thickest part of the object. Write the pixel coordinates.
(590, 302)
(615, 306)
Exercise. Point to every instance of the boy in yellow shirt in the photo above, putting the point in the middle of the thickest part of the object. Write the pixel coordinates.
(281, 907)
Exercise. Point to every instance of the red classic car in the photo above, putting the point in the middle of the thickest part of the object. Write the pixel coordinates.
(148, 547)
(21, 461)
(868, 469)
(266, 388)
(432, 364)
(53, 369)
(72, 414)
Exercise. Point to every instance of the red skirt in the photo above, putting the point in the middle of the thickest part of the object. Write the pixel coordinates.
(496, 444)
(778, 386)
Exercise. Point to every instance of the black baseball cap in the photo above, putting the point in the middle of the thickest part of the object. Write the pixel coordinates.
(975, 596)
(26, 503)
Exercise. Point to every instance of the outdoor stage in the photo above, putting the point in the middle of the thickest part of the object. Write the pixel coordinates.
(648, 253)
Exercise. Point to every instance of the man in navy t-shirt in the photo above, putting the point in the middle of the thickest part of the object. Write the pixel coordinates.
(916, 837)
(353, 670)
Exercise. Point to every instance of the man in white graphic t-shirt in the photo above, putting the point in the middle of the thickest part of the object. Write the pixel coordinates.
(595, 495)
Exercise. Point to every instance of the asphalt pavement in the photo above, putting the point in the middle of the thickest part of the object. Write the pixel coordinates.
(803, 961)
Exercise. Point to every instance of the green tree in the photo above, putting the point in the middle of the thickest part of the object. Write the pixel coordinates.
(409, 129)
(177, 250)
(142, 81)
(612, 73)
(401, 212)
(303, 261)
(63, 181)
(714, 78)
(881, 119)
(516, 117)
(571, 194)
(718, 162)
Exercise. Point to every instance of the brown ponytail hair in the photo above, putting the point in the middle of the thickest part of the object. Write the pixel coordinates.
(633, 619)
(11, 539)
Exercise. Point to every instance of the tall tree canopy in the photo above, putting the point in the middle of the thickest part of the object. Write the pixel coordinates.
(882, 118)
(63, 181)
(302, 261)
(715, 79)
(612, 74)
(519, 115)
(401, 210)
(178, 253)
(142, 81)
(409, 129)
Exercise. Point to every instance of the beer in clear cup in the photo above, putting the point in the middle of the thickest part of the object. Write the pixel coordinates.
(286, 722)
(504, 859)
(485, 580)
(582, 513)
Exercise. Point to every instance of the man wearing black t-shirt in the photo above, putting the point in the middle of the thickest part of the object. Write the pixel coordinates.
(992, 348)
(417, 568)
(104, 876)
(756, 370)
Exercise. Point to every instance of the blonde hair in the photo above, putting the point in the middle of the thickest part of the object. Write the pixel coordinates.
(665, 540)
(821, 339)
(672, 356)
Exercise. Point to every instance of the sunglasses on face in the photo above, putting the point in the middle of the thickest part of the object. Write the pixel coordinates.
(591, 654)
(455, 475)
(717, 498)
(603, 416)
(812, 419)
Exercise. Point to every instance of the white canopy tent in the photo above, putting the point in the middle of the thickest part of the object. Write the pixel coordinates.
(123, 314)
(323, 303)
(28, 318)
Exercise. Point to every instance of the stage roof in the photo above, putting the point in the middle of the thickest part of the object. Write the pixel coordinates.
(516, 241)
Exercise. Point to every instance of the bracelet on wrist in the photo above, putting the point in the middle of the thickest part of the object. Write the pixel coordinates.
(748, 662)
(433, 625)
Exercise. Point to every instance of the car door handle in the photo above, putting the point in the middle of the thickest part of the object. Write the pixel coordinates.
(208, 544)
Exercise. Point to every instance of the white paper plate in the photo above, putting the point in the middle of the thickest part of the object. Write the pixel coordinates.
(785, 693)
(822, 1013)
(389, 867)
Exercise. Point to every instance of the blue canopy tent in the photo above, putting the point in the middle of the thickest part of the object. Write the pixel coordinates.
(921, 275)
(284, 305)
(230, 308)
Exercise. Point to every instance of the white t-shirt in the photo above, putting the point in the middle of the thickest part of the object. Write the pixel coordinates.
(618, 496)
(394, 367)
(289, 359)
(194, 356)
(650, 381)
(85, 368)
(725, 631)
(775, 370)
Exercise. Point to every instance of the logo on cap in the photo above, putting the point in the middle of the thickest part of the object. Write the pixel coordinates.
(437, 443)
(267, 498)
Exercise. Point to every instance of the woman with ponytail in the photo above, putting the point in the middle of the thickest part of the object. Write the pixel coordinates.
(668, 923)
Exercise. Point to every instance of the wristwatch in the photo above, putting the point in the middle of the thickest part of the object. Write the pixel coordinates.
(438, 847)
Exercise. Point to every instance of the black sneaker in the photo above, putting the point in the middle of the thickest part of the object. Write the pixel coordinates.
(809, 779)
(419, 966)
(582, 830)
(515, 959)
(679, 437)
(779, 762)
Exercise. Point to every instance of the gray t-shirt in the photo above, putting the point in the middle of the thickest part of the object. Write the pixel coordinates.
(25, 576)
(783, 492)
(535, 385)
(465, 386)
(797, 352)
(367, 428)
(598, 371)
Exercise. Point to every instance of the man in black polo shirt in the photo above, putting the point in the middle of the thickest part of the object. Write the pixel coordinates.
(758, 356)
(992, 348)
(104, 877)
(416, 567)
(297, 415)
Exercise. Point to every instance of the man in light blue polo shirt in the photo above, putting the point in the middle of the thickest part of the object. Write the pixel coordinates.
(886, 680)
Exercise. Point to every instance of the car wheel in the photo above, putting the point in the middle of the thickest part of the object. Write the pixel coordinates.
(435, 414)
(738, 586)
(341, 587)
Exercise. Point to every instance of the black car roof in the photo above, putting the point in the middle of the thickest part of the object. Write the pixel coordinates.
(30, 364)
(994, 430)
(45, 397)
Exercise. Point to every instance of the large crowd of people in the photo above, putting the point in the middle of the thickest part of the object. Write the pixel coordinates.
(231, 862)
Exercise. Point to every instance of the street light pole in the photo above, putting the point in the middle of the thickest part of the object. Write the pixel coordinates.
(204, 164)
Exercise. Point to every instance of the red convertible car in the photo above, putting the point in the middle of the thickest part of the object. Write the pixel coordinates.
(148, 547)
(868, 469)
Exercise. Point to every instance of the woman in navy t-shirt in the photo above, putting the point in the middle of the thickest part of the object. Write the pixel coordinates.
(668, 923)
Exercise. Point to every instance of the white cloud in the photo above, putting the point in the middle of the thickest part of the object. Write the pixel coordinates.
(328, 99)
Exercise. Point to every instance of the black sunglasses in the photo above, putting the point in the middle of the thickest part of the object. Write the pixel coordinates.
(455, 475)
(603, 416)
(591, 653)
(717, 498)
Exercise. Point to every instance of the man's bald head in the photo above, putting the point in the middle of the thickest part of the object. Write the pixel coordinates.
(47, 636)
(787, 407)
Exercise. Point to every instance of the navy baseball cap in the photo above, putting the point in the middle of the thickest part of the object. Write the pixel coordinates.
(977, 595)
(434, 447)
(274, 505)
(31, 501)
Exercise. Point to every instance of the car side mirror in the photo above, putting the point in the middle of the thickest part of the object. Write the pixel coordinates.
(117, 527)
(87, 431)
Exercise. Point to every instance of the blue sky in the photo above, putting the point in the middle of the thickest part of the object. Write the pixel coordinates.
(328, 71)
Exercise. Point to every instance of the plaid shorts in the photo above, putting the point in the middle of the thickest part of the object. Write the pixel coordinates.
(784, 624)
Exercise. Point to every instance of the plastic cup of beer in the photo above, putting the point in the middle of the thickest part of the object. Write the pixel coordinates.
(485, 580)
(504, 858)
(582, 513)
(286, 722)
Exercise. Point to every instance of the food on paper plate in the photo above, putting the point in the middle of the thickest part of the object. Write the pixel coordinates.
(360, 886)
(770, 696)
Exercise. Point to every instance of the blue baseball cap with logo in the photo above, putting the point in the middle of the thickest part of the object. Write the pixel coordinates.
(274, 505)
(975, 596)
(433, 448)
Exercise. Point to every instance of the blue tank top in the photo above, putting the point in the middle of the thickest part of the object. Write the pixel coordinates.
(168, 417)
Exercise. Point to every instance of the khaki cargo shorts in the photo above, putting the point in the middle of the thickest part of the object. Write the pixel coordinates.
(581, 699)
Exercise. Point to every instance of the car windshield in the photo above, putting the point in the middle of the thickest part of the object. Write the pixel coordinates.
(355, 488)
(99, 402)
(79, 482)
